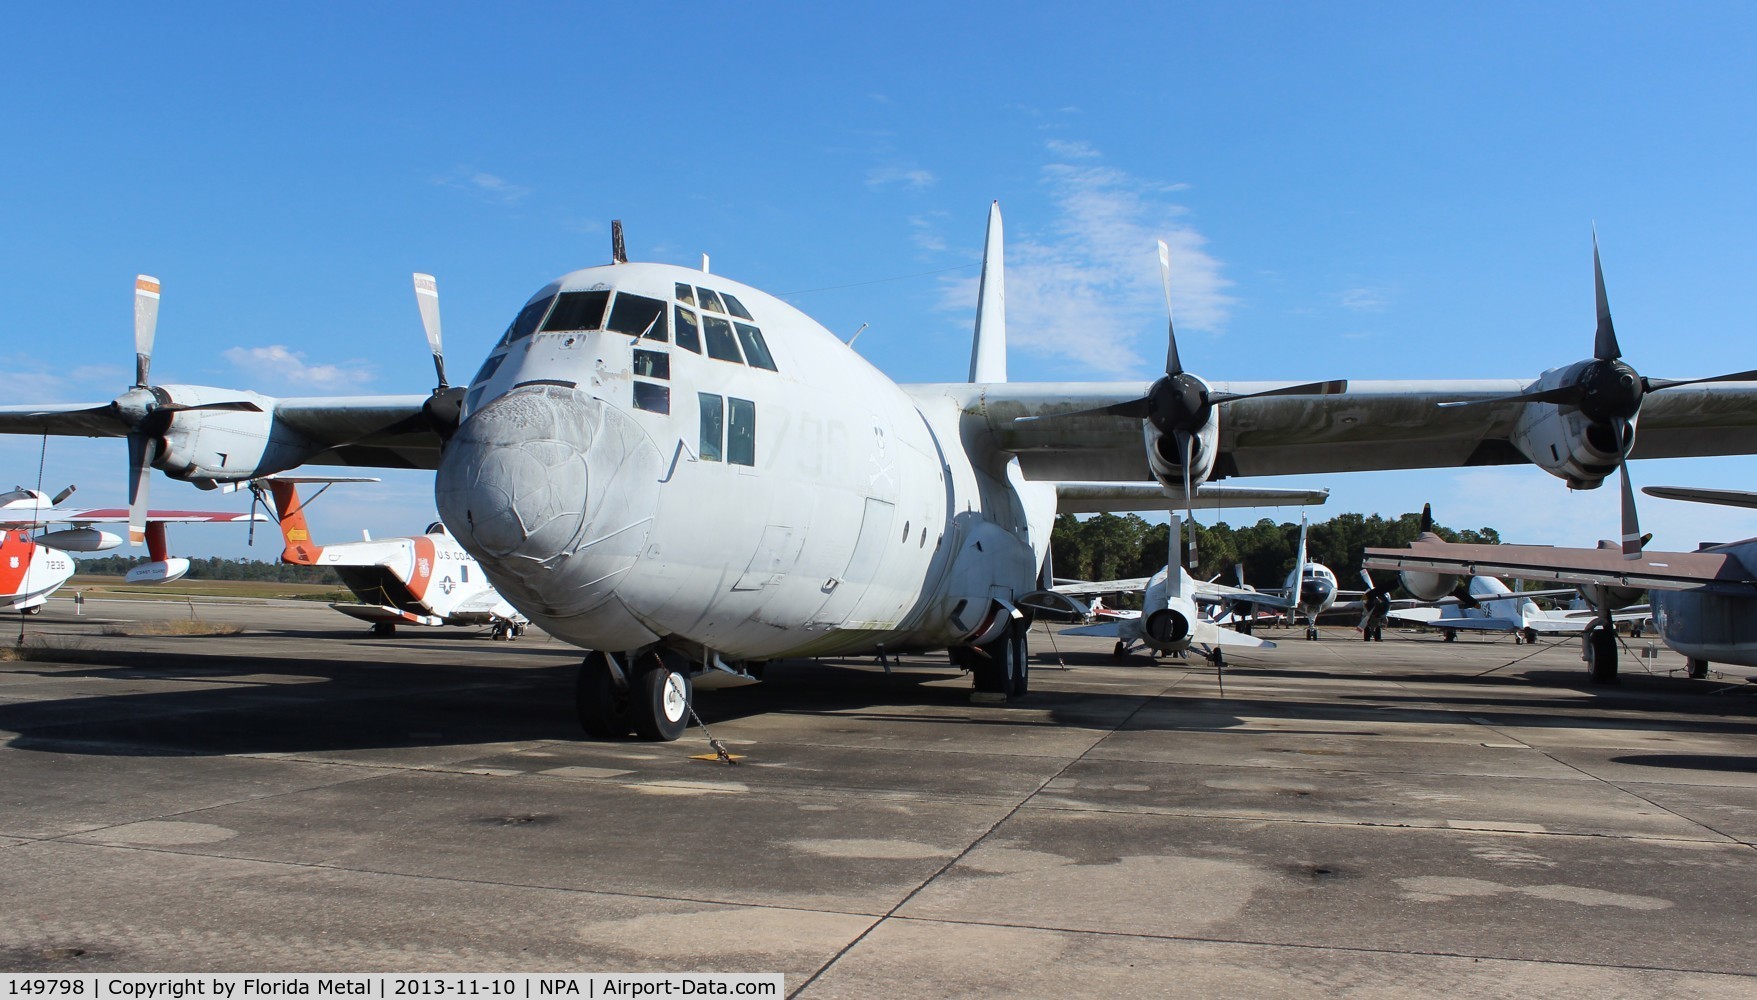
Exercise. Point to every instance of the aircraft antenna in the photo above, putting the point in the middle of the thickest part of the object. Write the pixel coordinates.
(705, 263)
(857, 334)
(618, 251)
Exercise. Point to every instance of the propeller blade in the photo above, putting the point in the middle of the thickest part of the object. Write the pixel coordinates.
(142, 452)
(1604, 344)
(1331, 388)
(1190, 494)
(427, 299)
(146, 320)
(1136, 408)
(1172, 365)
(230, 404)
(1655, 384)
(1632, 540)
(64, 494)
(1561, 394)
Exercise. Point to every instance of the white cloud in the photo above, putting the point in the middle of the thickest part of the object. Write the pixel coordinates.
(1072, 150)
(925, 232)
(913, 178)
(1088, 294)
(1363, 299)
(278, 362)
(50, 383)
(490, 187)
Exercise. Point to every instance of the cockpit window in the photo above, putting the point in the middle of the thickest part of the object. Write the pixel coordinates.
(528, 318)
(577, 311)
(736, 307)
(711, 300)
(637, 315)
(688, 337)
(685, 294)
(755, 348)
(720, 341)
(488, 369)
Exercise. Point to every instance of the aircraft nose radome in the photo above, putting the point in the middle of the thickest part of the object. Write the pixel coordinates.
(514, 479)
(547, 482)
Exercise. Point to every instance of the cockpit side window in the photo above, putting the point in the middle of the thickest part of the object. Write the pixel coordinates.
(755, 348)
(637, 315)
(711, 300)
(685, 294)
(736, 307)
(721, 344)
(528, 318)
(577, 311)
(688, 336)
(488, 369)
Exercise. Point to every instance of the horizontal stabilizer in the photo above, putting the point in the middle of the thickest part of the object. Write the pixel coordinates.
(1106, 630)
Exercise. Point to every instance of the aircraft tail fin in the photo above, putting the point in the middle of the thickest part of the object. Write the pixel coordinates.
(294, 531)
(988, 351)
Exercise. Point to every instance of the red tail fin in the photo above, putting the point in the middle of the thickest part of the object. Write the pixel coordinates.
(299, 550)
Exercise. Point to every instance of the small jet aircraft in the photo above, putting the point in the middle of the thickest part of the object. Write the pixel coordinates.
(34, 566)
(1703, 602)
(681, 473)
(425, 579)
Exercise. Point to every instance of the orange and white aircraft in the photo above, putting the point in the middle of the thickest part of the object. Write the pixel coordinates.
(425, 579)
(33, 566)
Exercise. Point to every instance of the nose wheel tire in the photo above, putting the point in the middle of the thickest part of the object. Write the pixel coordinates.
(603, 708)
(1601, 655)
(1698, 668)
(659, 701)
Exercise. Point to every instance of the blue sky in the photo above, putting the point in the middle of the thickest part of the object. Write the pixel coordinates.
(1365, 191)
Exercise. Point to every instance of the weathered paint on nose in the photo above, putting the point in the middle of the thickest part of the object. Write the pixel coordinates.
(547, 483)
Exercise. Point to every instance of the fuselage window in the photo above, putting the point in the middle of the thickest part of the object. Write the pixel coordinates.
(472, 399)
(463, 574)
(652, 364)
(488, 369)
(639, 316)
(652, 396)
(713, 425)
(740, 431)
(710, 300)
(720, 340)
(687, 336)
(528, 318)
(685, 294)
(735, 307)
(755, 348)
(577, 311)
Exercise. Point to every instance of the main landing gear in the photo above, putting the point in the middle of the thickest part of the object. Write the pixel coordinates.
(384, 629)
(1003, 666)
(646, 693)
(1311, 633)
(1599, 646)
(505, 631)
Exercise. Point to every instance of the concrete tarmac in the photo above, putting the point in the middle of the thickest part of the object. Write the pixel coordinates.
(1403, 818)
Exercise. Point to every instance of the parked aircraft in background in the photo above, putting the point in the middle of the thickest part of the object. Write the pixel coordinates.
(425, 579)
(1704, 603)
(682, 473)
(34, 566)
(1493, 607)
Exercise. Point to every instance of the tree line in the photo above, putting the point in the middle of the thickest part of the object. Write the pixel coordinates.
(1115, 547)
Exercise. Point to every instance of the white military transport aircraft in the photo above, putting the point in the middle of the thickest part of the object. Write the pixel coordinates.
(683, 473)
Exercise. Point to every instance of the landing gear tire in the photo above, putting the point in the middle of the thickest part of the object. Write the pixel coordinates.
(1698, 669)
(1450, 635)
(1531, 637)
(383, 629)
(659, 700)
(1378, 633)
(35, 610)
(603, 708)
(1121, 652)
(1244, 628)
(1601, 655)
(1311, 633)
(1002, 667)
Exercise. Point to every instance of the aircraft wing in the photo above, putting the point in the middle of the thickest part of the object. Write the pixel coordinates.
(1713, 571)
(1699, 494)
(1097, 498)
(1374, 425)
(1096, 587)
(1210, 634)
(393, 432)
(119, 515)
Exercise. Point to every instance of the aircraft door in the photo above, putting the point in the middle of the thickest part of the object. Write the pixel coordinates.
(846, 589)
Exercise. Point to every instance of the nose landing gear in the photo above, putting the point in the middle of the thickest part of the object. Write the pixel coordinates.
(648, 694)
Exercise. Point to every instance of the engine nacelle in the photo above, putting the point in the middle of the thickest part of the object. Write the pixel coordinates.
(1428, 586)
(163, 571)
(1614, 597)
(1564, 441)
(219, 445)
(79, 540)
(1166, 461)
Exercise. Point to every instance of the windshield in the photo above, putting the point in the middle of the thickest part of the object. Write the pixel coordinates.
(577, 311)
(526, 322)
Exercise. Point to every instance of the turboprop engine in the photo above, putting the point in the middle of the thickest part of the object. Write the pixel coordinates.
(1428, 586)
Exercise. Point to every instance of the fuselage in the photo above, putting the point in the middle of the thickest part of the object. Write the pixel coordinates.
(1315, 589)
(1721, 628)
(29, 572)
(657, 454)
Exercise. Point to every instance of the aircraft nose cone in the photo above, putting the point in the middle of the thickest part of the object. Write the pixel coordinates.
(554, 492)
(515, 478)
(1314, 592)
